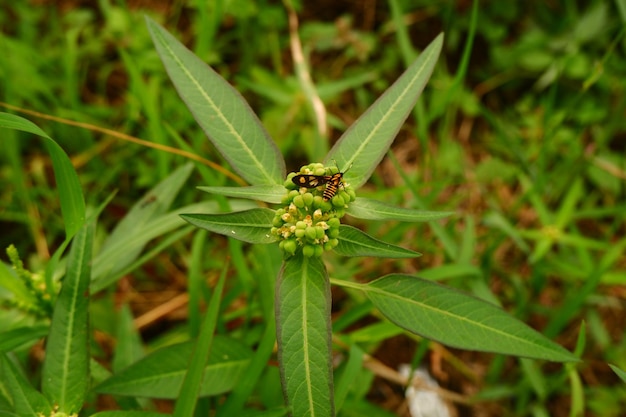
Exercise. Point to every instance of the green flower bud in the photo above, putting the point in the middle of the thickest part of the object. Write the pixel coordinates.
(298, 201)
(308, 250)
(338, 201)
(333, 222)
(311, 233)
(290, 246)
(351, 193)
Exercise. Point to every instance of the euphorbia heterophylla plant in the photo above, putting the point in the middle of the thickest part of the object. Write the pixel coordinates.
(307, 222)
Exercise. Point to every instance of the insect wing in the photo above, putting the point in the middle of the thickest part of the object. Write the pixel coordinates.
(311, 181)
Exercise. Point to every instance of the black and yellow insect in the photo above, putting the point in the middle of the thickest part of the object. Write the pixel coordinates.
(333, 182)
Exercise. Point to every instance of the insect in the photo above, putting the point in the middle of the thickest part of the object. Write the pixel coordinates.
(333, 182)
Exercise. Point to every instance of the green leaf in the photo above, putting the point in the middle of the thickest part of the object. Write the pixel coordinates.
(129, 413)
(354, 242)
(268, 193)
(365, 143)
(129, 345)
(11, 121)
(264, 352)
(27, 401)
(458, 320)
(15, 338)
(619, 372)
(304, 336)
(70, 191)
(161, 373)
(369, 209)
(348, 374)
(65, 375)
(252, 226)
(146, 220)
(221, 111)
(192, 384)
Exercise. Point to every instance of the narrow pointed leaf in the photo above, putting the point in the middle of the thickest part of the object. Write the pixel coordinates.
(192, 384)
(27, 401)
(619, 372)
(70, 191)
(458, 320)
(130, 236)
(365, 143)
(354, 242)
(252, 226)
(221, 111)
(267, 193)
(370, 209)
(20, 336)
(129, 413)
(12, 121)
(161, 374)
(65, 375)
(304, 336)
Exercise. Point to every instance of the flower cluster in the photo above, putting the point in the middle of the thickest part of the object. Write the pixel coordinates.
(308, 221)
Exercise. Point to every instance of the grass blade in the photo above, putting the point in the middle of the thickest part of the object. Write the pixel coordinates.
(27, 401)
(70, 191)
(192, 384)
(161, 373)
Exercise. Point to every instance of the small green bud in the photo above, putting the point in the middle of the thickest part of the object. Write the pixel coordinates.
(311, 233)
(289, 246)
(333, 222)
(338, 201)
(308, 250)
(298, 201)
(351, 193)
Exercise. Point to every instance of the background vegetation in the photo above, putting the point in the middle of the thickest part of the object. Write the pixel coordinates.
(520, 131)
